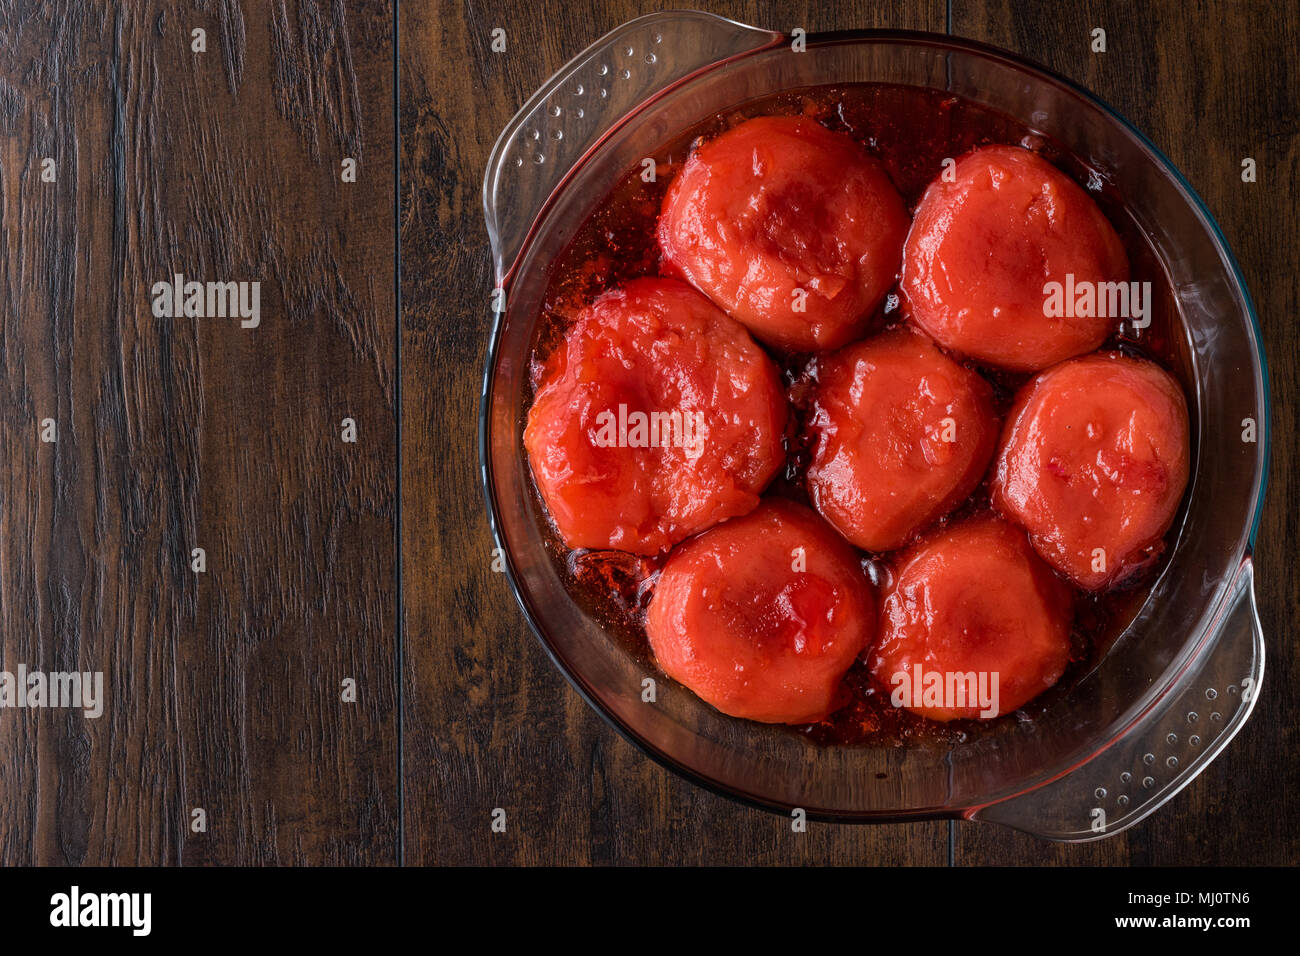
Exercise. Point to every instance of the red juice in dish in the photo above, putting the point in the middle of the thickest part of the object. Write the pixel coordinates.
(910, 132)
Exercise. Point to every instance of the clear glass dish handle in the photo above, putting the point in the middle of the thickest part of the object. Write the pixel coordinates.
(1165, 748)
(584, 99)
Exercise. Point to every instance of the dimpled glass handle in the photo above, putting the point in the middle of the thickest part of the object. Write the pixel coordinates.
(582, 101)
(1165, 748)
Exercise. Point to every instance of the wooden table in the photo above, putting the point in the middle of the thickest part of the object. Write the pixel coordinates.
(321, 694)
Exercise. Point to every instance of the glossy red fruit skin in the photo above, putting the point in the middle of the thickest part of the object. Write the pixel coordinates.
(901, 435)
(655, 345)
(982, 248)
(762, 616)
(974, 597)
(780, 204)
(1095, 454)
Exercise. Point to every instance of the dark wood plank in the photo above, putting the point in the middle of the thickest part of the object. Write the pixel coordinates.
(489, 722)
(1210, 84)
(223, 689)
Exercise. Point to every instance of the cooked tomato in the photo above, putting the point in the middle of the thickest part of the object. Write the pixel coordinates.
(973, 608)
(902, 434)
(983, 248)
(792, 228)
(1093, 463)
(761, 616)
(657, 417)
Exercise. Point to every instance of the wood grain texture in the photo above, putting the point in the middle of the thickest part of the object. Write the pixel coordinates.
(223, 688)
(1209, 83)
(489, 722)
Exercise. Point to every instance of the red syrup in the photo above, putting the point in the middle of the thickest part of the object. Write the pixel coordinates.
(911, 131)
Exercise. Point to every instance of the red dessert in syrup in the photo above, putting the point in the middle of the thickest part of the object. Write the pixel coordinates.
(983, 245)
(793, 229)
(761, 616)
(1093, 464)
(656, 418)
(900, 435)
(911, 131)
(973, 598)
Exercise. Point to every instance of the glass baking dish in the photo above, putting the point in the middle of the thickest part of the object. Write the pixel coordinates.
(1183, 677)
